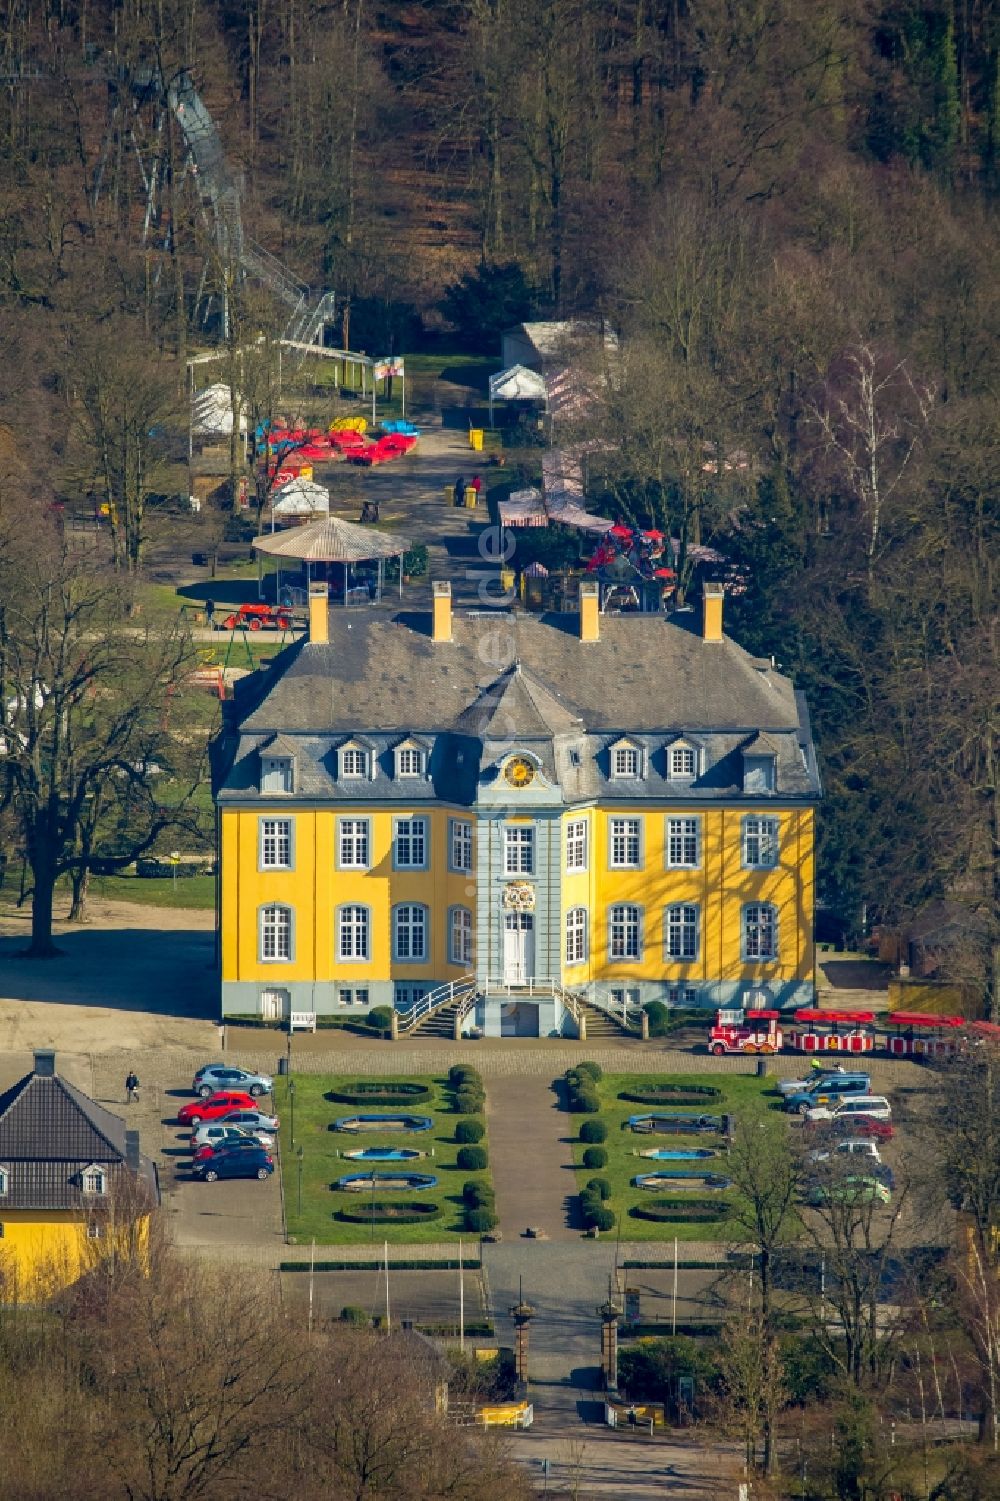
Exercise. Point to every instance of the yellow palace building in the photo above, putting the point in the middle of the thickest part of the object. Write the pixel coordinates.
(543, 811)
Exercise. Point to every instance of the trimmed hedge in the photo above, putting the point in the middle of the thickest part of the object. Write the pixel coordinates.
(481, 1220)
(380, 1093)
(593, 1132)
(595, 1157)
(382, 1212)
(352, 1314)
(380, 1017)
(469, 1101)
(478, 1195)
(469, 1132)
(600, 1186)
(659, 1018)
(473, 1159)
(464, 1073)
(592, 1070)
(680, 1211)
(671, 1094)
(603, 1219)
(581, 1092)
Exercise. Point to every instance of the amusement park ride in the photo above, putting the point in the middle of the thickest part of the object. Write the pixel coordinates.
(901, 1034)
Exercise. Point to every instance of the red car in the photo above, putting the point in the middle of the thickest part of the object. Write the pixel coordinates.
(197, 1111)
(258, 618)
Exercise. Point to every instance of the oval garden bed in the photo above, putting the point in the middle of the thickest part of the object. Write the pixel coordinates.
(671, 1094)
(384, 1213)
(380, 1092)
(680, 1211)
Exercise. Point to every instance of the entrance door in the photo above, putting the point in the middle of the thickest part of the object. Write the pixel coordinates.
(275, 1005)
(518, 947)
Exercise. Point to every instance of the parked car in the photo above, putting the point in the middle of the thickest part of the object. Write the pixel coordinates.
(216, 1076)
(851, 1146)
(252, 1164)
(252, 1120)
(216, 1133)
(855, 1189)
(874, 1105)
(217, 1105)
(220, 1148)
(865, 1125)
(825, 1090)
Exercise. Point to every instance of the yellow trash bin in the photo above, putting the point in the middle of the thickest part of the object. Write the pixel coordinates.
(470, 498)
(476, 438)
(506, 579)
(449, 495)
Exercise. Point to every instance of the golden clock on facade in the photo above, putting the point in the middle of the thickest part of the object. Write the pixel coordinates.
(519, 772)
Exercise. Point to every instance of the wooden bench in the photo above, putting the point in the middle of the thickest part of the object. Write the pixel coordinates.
(302, 1021)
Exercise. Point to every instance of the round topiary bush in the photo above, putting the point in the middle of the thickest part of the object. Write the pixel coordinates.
(469, 1132)
(599, 1186)
(469, 1101)
(659, 1018)
(680, 1211)
(473, 1159)
(591, 1070)
(593, 1132)
(583, 1100)
(380, 1017)
(386, 1212)
(478, 1195)
(604, 1219)
(595, 1157)
(481, 1220)
(351, 1314)
(463, 1073)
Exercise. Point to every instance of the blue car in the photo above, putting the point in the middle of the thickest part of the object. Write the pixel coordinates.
(248, 1162)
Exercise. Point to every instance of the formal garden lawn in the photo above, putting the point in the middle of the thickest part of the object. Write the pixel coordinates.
(736, 1092)
(321, 1165)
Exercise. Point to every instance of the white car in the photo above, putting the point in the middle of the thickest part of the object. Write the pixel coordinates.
(215, 1133)
(860, 1107)
(851, 1146)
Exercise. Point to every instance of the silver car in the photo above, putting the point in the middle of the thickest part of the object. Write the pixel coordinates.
(253, 1121)
(215, 1076)
(217, 1133)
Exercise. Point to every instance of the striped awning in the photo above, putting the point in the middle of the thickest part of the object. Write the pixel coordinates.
(523, 508)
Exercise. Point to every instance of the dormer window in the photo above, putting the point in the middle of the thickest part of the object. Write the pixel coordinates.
(276, 774)
(683, 762)
(353, 762)
(758, 774)
(626, 760)
(411, 759)
(94, 1180)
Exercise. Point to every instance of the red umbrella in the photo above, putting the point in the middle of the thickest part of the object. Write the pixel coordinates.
(619, 530)
(656, 536)
(664, 573)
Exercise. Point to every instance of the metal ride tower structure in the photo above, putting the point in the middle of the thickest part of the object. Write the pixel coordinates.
(220, 196)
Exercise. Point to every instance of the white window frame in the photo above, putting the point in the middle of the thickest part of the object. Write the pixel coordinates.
(409, 761)
(411, 835)
(620, 841)
(94, 1180)
(411, 929)
(760, 842)
(280, 768)
(682, 932)
(4, 1180)
(460, 935)
(271, 840)
(354, 836)
(683, 763)
(626, 762)
(682, 844)
(519, 849)
(460, 845)
(577, 933)
(577, 842)
(355, 919)
(353, 762)
(759, 918)
(276, 931)
(625, 919)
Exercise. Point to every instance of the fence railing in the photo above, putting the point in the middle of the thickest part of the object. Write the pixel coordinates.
(462, 990)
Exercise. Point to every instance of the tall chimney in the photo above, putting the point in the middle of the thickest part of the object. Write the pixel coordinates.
(132, 1150)
(441, 622)
(45, 1063)
(319, 615)
(590, 613)
(711, 619)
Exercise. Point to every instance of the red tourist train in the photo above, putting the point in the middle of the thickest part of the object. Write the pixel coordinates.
(901, 1034)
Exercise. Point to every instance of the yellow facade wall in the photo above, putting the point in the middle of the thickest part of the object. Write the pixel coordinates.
(41, 1252)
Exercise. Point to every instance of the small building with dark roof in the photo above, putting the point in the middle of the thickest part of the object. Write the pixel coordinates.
(542, 811)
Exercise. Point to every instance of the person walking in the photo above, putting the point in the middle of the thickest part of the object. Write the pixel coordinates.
(210, 614)
(460, 491)
(477, 485)
(131, 1086)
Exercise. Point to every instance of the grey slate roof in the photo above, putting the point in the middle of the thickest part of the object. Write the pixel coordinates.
(507, 680)
(49, 1132)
